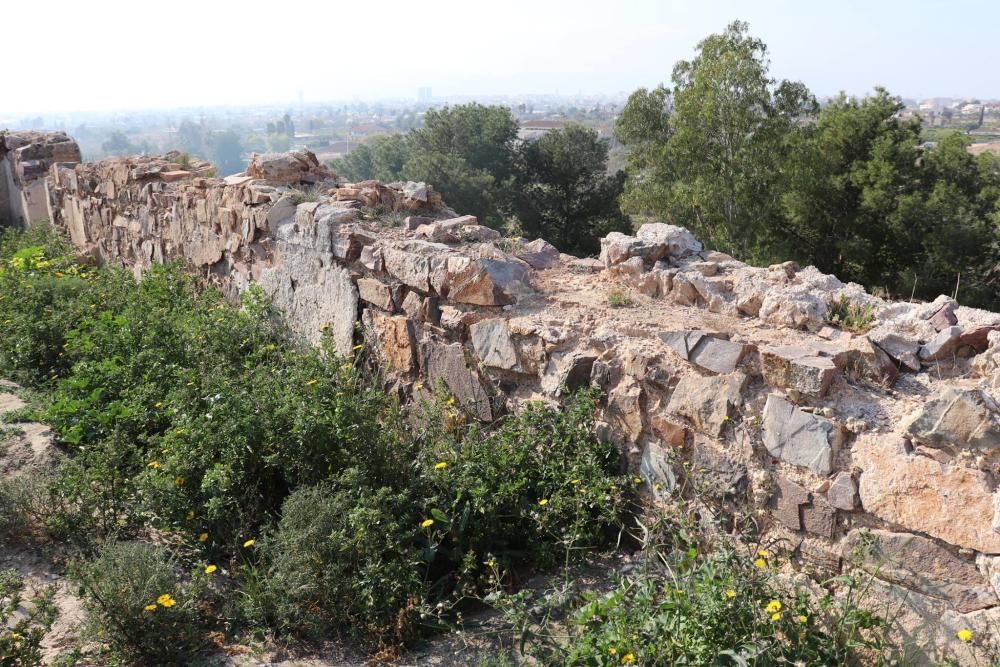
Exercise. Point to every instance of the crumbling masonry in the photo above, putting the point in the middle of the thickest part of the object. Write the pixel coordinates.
(875, 451)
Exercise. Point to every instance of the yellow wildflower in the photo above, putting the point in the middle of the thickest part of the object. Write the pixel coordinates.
(760, 563)
(628, 659)
(574, 481)
(158, 405)
(440, 465)
(358, 347)
(210, 569)
(730, 593)
(612, 651)
(964, 635)
(418, 386)
(490, 563)
(427, 523)
(190, 515)
(150, 607)
(249, 543)
(763, 553)
(773, 606)
(776, 616)
(451, 401)
(311, 383)
(153, 464)
(802, 618)
(637, 480)
(203, 537)
(166, 600)
(543, 502)
(178, 481)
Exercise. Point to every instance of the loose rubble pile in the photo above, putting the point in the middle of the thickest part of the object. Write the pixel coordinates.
(873, 450)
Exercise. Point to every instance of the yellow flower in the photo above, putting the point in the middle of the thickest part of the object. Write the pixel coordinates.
(773, 606)
(178, 481)
(451, 401)
(730, 593)
(760, 563)
(311, 383)
(203, 537)
(964, 635)
(249, 543)
(776, 616)
(427, 523)
(628, 659)
(166, 600)
(612, 651)
(190, 515)
(490, 563)
(441, 465)
(574, 481)
(347, 367)
(150, 607)
(153, 464)
(158, 405)
(637, 480)
(803, 619)
(763, 553)
(543, 502)
(358, 347)
(210, 569)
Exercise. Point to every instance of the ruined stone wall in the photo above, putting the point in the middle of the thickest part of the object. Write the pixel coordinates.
(874, 450)
(25, 159)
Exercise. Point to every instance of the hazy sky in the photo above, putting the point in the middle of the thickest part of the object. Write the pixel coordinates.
(63, 55)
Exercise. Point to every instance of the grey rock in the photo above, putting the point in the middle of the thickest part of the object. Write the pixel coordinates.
(492, 342)
(943, 346)
(958, 416)
(798, 368)
(714, 471)
(922, 565)
(843, 492)
(709, 351)
(446, 362)
(798, 437)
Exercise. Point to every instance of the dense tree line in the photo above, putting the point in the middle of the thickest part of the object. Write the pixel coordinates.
(557, 187)
(756, 168)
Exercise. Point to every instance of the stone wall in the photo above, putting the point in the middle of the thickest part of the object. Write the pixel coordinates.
(25, 159)
(873, 451)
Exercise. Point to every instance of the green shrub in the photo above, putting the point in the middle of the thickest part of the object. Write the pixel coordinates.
(138, 607)
(43, 294)
(21, 633)
(850, 316)
(343, 556)
(619, 299)
(711, 609)
(527, 491)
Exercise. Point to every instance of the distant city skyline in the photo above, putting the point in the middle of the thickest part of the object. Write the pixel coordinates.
(106, 55)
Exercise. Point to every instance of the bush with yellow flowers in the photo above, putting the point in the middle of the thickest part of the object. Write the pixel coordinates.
(139, 607)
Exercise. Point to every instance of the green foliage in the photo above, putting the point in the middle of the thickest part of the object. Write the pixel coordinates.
(751, 165)
(138, 606)
(565, 194)
(225, 150)
(690, 607)
(344, 554)
(380, 158)
(709, 163)
(619, 299)
(851, 316)
(23, 626)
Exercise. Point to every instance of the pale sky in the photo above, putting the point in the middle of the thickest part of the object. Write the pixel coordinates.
(68, 55)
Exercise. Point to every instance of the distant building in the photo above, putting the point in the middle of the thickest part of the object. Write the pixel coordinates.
(534, 129)
(362, 130)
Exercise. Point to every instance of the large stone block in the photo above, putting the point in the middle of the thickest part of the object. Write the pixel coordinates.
(708, 402)
(958, 416)
(791, 367)
(949, 502)
(446, 362)
(920, 564)
(799, 437)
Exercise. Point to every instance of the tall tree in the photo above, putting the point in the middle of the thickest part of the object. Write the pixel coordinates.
(712, 161)
(225, 151)
(565, 194)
